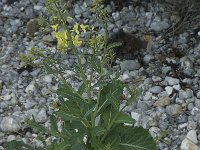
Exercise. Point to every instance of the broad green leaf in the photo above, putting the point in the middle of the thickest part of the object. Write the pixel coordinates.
(70, 126)
(64, 145)
(110, 94)
(70, 95)
(113, 115)
(98, 131)
(96, 143)
(71, 107)
(113, 139)
(53, 122)
(124, 118)
(136, 139)
(68, 116)
(76, 141)
(12, 145)
(113, 101)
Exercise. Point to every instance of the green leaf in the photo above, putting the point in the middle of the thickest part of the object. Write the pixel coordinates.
(112, 139)
(37, 126)
(124, 118)
(96, 64)
(114, 115)
(50, 69)
(96, 143)
(113, 45)
(113, 101)
(42, 129)
(134, 94)
(68, 116)
(136, 139)
(110, 94)
(53, 123)
(88, 109)
(81, 89)
(77, 141)
(66, 92)
(64, 145)
(12, 145)
(98, 131)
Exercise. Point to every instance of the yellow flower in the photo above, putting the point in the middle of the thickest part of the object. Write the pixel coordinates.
(92, 28)
(69, 17)
(62, 39)
(75, 28)
(54, 27)
(75, 40)
(84, 27)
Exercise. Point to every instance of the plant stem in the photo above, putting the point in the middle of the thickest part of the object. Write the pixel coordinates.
(76, 53)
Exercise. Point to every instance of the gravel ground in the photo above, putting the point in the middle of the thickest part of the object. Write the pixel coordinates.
(167, 72)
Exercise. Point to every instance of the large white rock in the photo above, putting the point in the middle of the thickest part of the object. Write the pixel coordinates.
(9, 124)
(192, 136)
(188, 145)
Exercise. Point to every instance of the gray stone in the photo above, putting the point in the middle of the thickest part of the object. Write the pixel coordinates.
(125, 77)
(116, 16)
(7, 97)
(156, 78)
(45, 91)
(159, 26)
(47, 79)
(174, 110)
(41, 116)
(16, 22)
(29, 13)
(172, 81)
(38, 7)
(198, 94)
(148, 81)
(155, 132)
(77, 10)
(135, 116)
(156, 89)
(166, 69)
(32, 112)
(11, 138)
(177, 87)
(188, 93)
(169, 90)
(129, 65)
(147, 58)
(30, 88)
(163, 101)
(9, 124)
(188, 145)
(192, 136)
(8, 77)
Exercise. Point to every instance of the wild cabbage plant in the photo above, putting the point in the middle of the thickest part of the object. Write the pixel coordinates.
(91, 115)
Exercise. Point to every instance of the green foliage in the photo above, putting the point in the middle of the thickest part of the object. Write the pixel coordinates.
(87, 122)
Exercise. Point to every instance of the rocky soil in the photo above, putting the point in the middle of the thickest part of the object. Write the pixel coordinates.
(163, 63)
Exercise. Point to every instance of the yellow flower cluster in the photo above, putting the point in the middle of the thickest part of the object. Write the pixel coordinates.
(62, 38)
